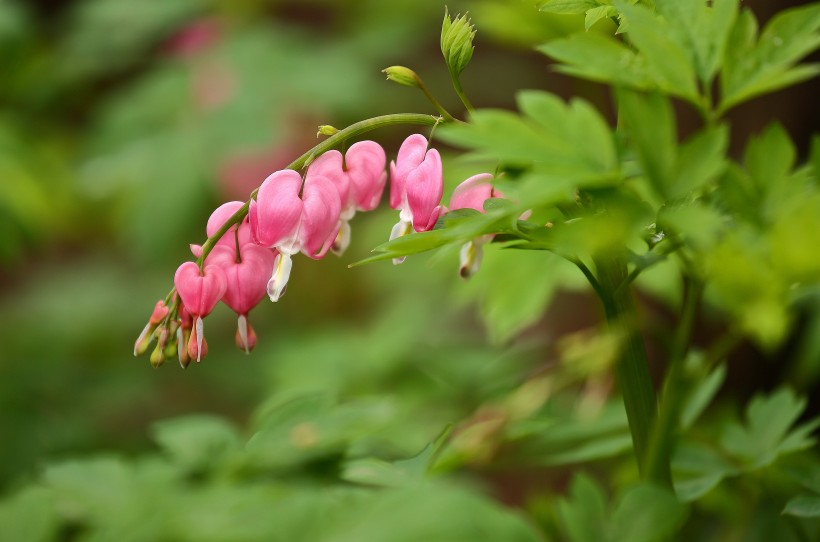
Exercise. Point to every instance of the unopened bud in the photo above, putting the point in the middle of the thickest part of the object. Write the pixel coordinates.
(457, 42)
(183, 335)
(327, 130)
(157, 356)
(401, 75)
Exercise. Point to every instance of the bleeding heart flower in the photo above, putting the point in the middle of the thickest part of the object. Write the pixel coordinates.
(240, 233)
(416, 187)
(471, 194)
(247, 277)
(199, 292)
(359, 177)
(283, 220)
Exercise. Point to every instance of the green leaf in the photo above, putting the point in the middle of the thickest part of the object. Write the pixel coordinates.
(756, 66)
(697, 469)
(770, 157)
(766, 435)
(646, 513)
(701, 30)
(596, 14)
(702, 395)
(198, 441)
(650, 124)
(584, 512)
(668, 63)
(700, 160)
(599, 58)
(803, 506)
(28, 516)
(568, 6)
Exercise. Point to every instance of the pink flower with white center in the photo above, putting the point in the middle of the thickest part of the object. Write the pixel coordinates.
(416, 187)
(471, 194)
(199, 291)
(283, 219)
(240, 234)
(246, 269)
(359, 177)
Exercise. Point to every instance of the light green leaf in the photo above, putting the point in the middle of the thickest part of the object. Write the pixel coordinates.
(700, 160)
(756, 66)
(702, 395)
(701, 30)
(28, 516)
(596, 14)
(599, 58)
(668, 63)
(650, 124)
(769, 157)
(198, 441)
(803, 506)
(568, 6)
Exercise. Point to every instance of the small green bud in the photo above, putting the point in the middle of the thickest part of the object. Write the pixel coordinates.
(326, 129)
(401, 75)
(457, 42)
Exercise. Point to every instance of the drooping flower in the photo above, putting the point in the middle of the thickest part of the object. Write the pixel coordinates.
(359, 177)
(416, 187)
(146, 336)
(283, 219)
(240, 233)
(246, 273)
(199, 291)
(471, 194)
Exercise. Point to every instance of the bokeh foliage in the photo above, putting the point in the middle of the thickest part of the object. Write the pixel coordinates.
(400, 403)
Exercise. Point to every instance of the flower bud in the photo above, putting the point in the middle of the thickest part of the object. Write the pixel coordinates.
(401, 75)
(157, 356)
(328, 130)
(457, 42)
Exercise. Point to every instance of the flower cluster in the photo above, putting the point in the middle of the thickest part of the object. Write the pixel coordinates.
(292, 214)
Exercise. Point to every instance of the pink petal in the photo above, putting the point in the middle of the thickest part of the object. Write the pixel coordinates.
(331, 166)
(425, 186)
(411, 154)
(247, 279)
(200, 292)
(472, 193)
(320, 219)
(274, 218)
(221, 215)
(365, 162)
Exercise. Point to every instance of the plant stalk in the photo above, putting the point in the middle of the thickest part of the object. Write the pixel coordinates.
(632, 367)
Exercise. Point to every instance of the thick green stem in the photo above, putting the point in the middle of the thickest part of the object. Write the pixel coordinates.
(353, 130)
(460, 92)
(632, 368)
(674, 390)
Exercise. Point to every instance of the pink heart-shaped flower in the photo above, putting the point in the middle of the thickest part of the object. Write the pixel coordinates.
(200, 292)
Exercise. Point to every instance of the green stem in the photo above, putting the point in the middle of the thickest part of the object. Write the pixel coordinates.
(460, 92)
(353, 130)
(674, 392)
(440, 108)
(632, 368)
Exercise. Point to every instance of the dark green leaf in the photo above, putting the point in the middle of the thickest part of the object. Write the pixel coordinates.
(584, 512)
(646, 513)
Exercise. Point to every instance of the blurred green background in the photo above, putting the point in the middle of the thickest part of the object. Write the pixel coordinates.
(123, 124)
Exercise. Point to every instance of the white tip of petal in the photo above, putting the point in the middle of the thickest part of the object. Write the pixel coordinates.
(242, 325)
(279, 279)
(141, 338)
(199, 334)
(402, 228)
(471, 255)
(342, 239)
